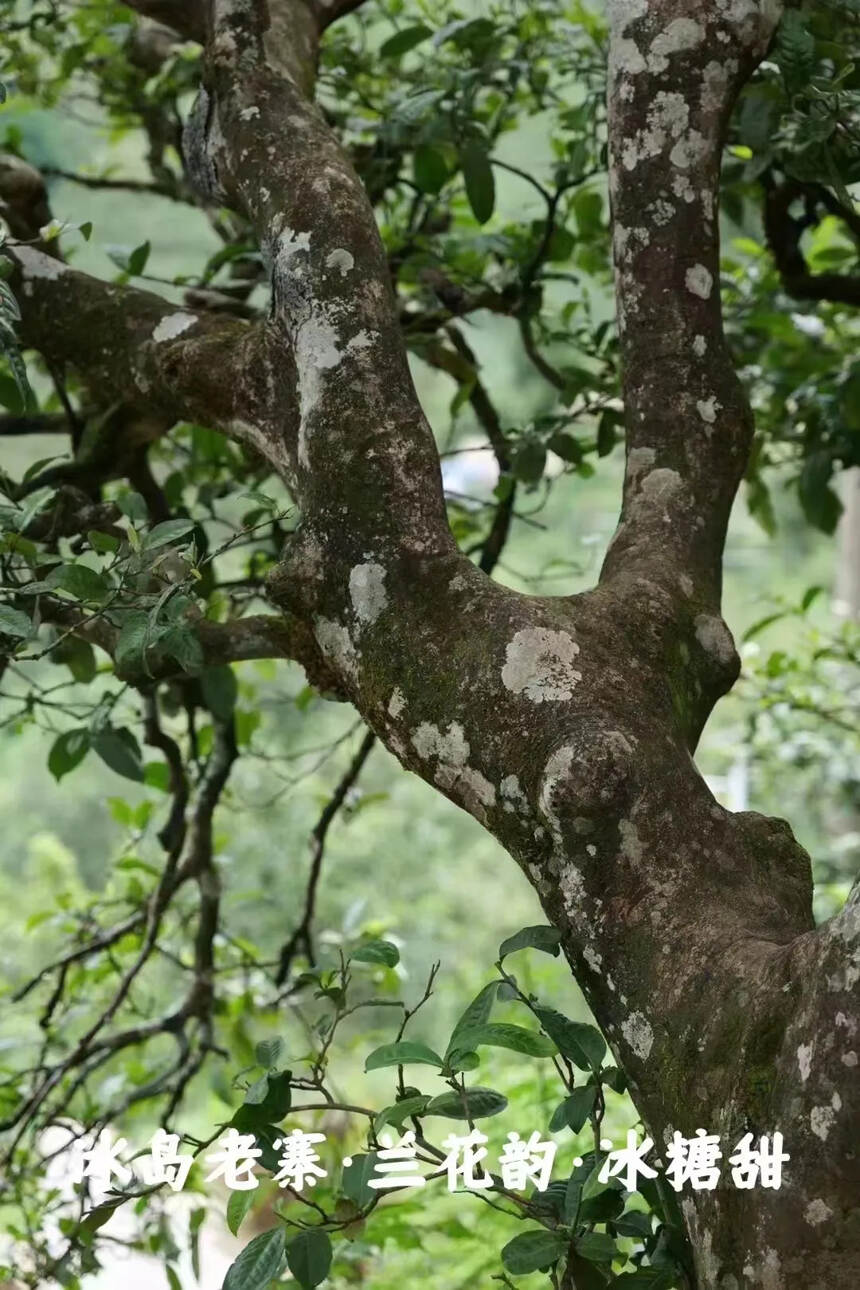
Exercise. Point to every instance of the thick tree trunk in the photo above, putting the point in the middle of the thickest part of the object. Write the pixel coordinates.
(566, 726)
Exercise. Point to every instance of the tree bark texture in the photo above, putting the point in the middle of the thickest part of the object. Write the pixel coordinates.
(566, 725)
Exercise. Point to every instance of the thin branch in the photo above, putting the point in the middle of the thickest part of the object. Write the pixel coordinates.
(301, 938)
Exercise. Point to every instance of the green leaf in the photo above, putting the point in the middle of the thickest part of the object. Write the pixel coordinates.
(597, 1247)
(477, 1013)
(79, 581)
(634, 1223)
(480, 183)
(165, 534)
(603, 1208)
(585, 1275)
(429, 169)
(645, 1279)
(257, 1091)
(516, 1038)
(268, 1051)
(606, 437)
(795, 50)
(820, 503)
(309, 1257)
(237, 1207)
(543, 938)
(275, 1100)
(172, 1278)
(356, 1176)
(530, 462)
(531, 1251)
(761, 624)
(220, 691)
(572, 1196)
(403, 1053)
(119, 750)
(399, 1112)
(462, 1059)
(14, 623)
(104, 543)
(184, 645)
(376, 952)
(78, 656)
(809, 597)
(67, 752)
(138, 259)
(475, 1104)
(402, 41)
(614, 1079)
(566, 447)
(581, 1044)
(259, 1263)
(575, 1109)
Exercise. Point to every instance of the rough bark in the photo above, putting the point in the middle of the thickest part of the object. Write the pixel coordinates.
(567, 725)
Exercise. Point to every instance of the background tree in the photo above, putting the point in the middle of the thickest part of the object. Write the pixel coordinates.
(263, 405)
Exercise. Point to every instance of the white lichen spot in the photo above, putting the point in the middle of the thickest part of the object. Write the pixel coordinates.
(173, 325)
(804, 1061)
(821, 1121)
(35, 264)
(708, 409)
(539, 665)
(849, 1058)
(817, 1212)
(639, 460)
(452, 747)
(592, 958)
(514, 798)
(699, 281)
(682, 188)
(681, 34)
(625, 59)
(361, 340)
(662, 211)
(700, 346)
(631, 845)
(689, 150)
(249, 113)
(623, 13)
(771, 1276)
(453, 774)
(667, 119)
(335, 643)
(556, 769)
(716, 82)
(572, 887)
(638, 1034)
(686, 584)
(844, 1022)
(715, 638)
(396, 703)
(341, 260)
(367, 592)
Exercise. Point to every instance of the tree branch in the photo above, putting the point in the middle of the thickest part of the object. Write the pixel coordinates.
(301, 938)
(137, 348)
(784, 232)
(689, 426)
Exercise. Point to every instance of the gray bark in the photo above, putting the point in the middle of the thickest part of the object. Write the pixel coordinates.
(566, 726)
